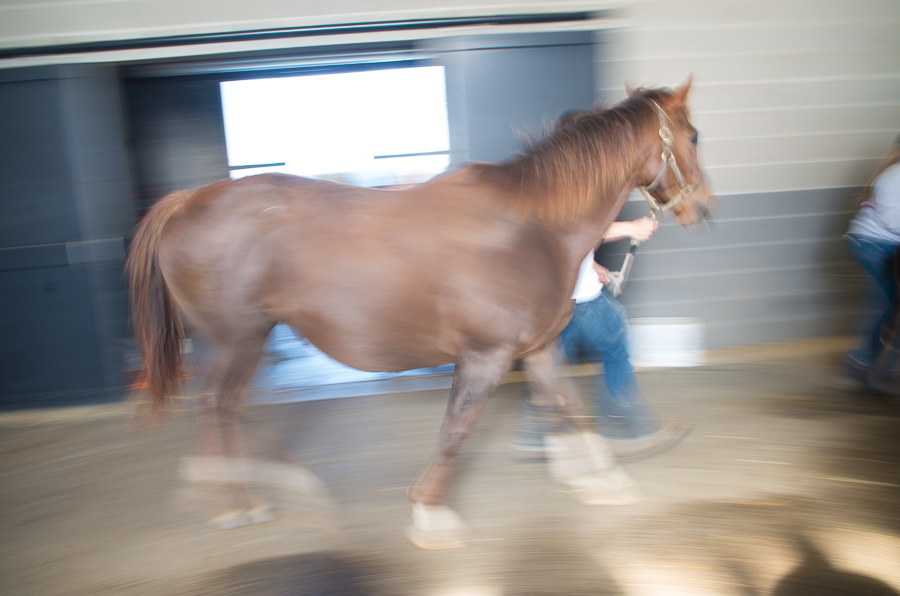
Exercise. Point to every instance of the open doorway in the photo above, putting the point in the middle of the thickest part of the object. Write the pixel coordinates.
(381, 127)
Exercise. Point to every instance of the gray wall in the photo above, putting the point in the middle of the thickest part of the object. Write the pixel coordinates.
(770, 267)
(503, 88)
(65, 209)
(177, 138)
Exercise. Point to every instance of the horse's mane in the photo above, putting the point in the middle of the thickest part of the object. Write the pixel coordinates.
(588, 154)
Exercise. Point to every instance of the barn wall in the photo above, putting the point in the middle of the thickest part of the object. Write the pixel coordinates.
(796, 102)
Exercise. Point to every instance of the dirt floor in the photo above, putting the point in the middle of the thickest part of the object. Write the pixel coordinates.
(788, 485)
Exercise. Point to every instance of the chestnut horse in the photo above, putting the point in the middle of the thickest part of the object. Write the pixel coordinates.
(474, 267)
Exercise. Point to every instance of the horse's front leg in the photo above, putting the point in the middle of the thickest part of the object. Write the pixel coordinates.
(476, 378)
(577, 455)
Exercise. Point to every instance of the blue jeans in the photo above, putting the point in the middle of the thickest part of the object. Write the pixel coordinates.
(877, 258)
(598, 331)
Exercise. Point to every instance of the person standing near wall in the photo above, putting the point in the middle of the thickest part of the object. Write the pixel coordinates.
(872, 239)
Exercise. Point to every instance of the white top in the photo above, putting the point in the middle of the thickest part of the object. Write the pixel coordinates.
(588, 286)
(879, 217)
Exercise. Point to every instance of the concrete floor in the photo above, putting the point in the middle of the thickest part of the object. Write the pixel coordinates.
(788, 486)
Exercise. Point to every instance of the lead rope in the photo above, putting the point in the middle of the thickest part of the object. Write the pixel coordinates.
(618, 278)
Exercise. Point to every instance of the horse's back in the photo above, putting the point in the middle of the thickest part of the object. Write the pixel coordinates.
(380, 279)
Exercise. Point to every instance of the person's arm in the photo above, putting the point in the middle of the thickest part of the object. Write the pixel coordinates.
(602, 273)
(638, 230)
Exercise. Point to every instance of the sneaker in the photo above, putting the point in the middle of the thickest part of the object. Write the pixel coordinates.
(666, 438)
(529, 442)
(854, 374)
(529, 431)
(885, 375)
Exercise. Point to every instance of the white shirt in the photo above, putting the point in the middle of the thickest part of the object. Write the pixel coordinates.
(879, 217)
(588, 286)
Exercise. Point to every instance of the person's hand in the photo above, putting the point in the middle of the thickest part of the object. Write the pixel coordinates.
(643, 228)
(602, 273)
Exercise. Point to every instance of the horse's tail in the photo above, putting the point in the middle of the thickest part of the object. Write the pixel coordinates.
(157, 325)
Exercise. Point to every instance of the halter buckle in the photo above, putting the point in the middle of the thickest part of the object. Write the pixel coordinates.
(666, 135)
(656, 210)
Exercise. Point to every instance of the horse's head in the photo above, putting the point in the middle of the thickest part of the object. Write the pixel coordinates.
(672, 180)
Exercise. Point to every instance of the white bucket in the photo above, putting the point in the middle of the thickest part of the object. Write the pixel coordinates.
(667, 341)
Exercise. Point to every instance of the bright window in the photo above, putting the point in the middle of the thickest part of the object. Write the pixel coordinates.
(371, 128)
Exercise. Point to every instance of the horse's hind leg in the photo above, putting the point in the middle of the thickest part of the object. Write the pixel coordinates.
(475, 380)
(578, 456)
(554, 396)
(227, 466)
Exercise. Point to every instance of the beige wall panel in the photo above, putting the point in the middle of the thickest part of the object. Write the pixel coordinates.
(762, 38)
(796, 149)
(734, 68)
(806, 94)
(726, 124)
(709, 96)
(693, 12)
(739, 179)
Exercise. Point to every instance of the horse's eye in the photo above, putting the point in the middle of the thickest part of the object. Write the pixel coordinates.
(694, 139)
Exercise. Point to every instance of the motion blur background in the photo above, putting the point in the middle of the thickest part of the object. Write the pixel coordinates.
(105, 106)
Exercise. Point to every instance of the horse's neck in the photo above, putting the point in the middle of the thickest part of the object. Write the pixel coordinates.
(574, 186)
(572, 179)
(584, 236)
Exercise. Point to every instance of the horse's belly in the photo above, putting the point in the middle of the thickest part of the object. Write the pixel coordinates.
(381, 355)
(375, 345)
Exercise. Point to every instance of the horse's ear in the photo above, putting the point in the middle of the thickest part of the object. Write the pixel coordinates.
(681, 92)
(629, 90)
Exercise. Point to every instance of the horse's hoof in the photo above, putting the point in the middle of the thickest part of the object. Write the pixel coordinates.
(614, 487)
(575, 455)
(435, 527)
(430, 542)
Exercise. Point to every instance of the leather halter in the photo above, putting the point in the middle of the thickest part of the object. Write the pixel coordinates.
(668, 161)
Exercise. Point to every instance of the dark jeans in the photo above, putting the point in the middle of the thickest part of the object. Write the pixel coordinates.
(598, 331)
(877, 258)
